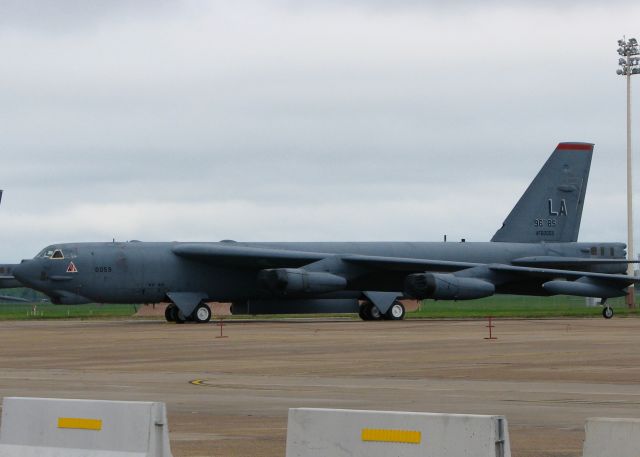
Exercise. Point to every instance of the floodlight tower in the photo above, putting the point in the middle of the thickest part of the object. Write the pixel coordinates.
(628, 50)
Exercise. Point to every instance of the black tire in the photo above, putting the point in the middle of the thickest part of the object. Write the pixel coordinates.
(375, 313)
(365, 311)
(168, 312)
(607, 312)
(396, 312)
(177, 316)
(202, 314)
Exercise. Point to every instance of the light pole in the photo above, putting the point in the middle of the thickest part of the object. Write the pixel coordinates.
(628, 50)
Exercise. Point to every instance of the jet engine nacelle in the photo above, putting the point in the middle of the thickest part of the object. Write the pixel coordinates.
(445, 286)
(299, 281)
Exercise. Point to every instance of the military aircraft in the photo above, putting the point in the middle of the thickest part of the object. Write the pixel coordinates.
(535, 252)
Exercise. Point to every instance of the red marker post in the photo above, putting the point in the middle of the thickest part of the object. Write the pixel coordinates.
(221, 324)
(490, 327)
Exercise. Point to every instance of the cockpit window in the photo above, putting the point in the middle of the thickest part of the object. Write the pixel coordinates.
(50, 253)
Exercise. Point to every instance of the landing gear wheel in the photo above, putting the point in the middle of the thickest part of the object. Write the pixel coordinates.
(177, 316)
(362, 312)
(396, 312)
(607, 312)
(202, 314)
(369, 312)
(375, 313)
(168, 312)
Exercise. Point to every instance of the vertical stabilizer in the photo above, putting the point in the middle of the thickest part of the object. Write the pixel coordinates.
(551, 207)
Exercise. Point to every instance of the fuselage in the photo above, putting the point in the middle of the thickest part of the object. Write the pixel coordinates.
(144, 272)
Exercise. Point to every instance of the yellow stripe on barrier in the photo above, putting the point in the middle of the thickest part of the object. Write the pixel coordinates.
(391, 436)
(80, 423)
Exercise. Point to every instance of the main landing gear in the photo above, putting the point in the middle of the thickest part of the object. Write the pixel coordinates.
(370, 312)
(200, 315)
(607, 311)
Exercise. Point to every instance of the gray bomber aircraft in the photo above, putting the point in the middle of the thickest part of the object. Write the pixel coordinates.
(535, 252)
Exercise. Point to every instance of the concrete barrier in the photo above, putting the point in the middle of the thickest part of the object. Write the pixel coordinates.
(49, 427)
(339, 432)
(606, 437)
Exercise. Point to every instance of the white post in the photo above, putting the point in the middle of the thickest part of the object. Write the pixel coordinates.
(630, 252)
(628, 62)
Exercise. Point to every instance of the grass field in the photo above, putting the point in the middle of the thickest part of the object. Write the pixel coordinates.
(50, 311)
(497, 306)
(518, 306)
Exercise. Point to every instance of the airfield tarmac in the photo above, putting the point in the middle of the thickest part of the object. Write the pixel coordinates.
(546, 376)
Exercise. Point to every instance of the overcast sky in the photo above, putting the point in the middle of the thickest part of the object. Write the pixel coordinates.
(301, 120)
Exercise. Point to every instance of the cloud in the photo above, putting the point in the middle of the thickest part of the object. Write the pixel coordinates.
(70, 16)
(274, 120)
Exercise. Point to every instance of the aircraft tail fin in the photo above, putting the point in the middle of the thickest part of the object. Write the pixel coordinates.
(551, 207)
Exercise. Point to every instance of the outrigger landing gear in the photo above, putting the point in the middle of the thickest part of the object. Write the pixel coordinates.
(607, 311)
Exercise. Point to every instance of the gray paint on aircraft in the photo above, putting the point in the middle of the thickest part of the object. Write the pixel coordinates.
(556, 218)
(312, 274)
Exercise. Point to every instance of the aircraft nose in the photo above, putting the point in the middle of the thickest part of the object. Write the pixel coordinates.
(27, 272)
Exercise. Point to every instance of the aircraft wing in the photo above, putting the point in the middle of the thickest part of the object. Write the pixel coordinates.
(617, 280)
(406, 264)
(474, 277)
(246, 256)
(256, 257)
(415, 265)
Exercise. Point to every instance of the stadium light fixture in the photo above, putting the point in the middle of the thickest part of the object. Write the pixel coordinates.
(629, 66)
